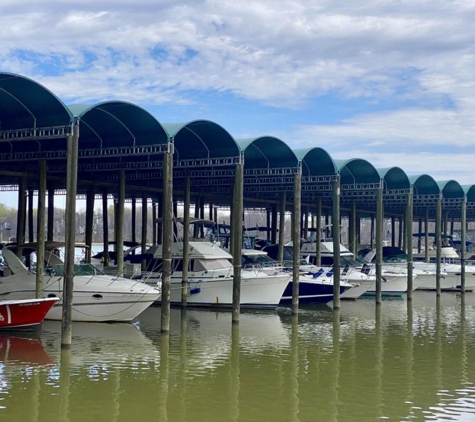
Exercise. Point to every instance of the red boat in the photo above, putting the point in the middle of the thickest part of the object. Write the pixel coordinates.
(25, 313)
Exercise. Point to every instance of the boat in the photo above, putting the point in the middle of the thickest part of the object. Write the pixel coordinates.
(210, 278)
(362, 272)
(97, 297)
(395, 262)
(315, 283)
(24, 314)
(451, 267)
(315, 287)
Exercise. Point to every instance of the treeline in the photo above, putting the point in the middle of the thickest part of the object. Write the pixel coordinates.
(8, 224)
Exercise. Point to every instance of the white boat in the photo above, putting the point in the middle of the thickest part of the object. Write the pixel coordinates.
(451, 279)
(395, 263)
(96, 297)
(315, 283)
(210, 278)
(351, 269)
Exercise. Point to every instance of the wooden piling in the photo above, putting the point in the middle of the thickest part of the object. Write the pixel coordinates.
(236, 237)
(167, 228)
(186, 243)
(280, 249)
(296, 240)
(438, 241)
(463, 246)
(379, 244)
(70, 236)
(105, 229)
(40, 230)
(409, 246)
(336, 242)
(119, 227)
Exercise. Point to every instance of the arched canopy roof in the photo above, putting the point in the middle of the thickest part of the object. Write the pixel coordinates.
(201, 139)
(451, 189)
(316, 162)
(424, 185)
(356, 170)
(267, 152)
(470, 192)
(394, 178)
(27, 104)
(117, 124)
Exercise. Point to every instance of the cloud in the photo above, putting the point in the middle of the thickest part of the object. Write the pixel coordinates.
(408, 66)
(279, 53)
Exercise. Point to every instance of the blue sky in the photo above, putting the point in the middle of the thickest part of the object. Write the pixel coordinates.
(389, 81)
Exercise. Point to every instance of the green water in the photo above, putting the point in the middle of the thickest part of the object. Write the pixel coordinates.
(407, 362)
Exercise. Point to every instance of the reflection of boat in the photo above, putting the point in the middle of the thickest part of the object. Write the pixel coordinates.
(23, 350)
(97, 297)
(25, 313)
(210, 331)
(210, 278)
(101, 343)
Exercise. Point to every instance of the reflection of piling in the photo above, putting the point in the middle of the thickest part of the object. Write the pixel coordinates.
(294, 368)
(64, 383)
(235, 371)
(163, 376)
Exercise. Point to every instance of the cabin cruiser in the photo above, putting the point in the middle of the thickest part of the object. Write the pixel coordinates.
(315, 283)
(395, 263)
(210, 278)
(451, 267)
(357, 270)
(97, 297)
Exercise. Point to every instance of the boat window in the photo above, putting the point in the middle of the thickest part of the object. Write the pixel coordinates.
(79, 270)
(210, 264)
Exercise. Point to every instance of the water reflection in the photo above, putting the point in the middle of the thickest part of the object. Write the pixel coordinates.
(21, 350)
(401, 361)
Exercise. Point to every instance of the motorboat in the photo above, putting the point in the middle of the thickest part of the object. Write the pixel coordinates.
(395, 264)
(362, 272)
(315, 287)
(24, 314)
(97, 297)
(451, 267)
(210, 278)
(315, 283)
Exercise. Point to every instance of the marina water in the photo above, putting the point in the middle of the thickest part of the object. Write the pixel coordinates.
(402, 361)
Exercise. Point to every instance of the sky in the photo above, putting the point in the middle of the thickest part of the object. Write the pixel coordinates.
(388, 81)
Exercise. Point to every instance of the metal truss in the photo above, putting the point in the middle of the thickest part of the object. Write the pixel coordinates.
(35, 134)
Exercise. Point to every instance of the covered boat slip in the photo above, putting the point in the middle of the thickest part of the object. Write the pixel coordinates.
(118, 149)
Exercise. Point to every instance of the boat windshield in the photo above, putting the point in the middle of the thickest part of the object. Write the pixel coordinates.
(261, 259)
(79, 270)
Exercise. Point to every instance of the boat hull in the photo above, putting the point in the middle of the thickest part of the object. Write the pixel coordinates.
(392, 285)
(24, 314)
(449, 282)
(257, 291)
(310, 293)
(95, 299)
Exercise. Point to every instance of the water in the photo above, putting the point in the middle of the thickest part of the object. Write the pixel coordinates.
(408, 362)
